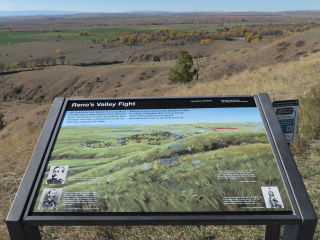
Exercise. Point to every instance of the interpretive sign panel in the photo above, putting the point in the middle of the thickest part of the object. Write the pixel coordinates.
(186, 160)
(204, 155)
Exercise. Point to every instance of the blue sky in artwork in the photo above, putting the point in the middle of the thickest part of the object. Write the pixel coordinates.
(193, 115)
(164, 5)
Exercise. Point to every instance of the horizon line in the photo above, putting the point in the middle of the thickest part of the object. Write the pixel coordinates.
(62, 12)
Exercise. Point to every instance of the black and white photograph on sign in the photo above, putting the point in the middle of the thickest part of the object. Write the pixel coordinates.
(50, 199)
(57, 174)
(272, 197)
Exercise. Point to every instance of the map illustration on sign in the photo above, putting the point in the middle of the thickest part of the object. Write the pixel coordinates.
(140, 160)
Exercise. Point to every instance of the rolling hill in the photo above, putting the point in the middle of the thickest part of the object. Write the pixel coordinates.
(230, 68)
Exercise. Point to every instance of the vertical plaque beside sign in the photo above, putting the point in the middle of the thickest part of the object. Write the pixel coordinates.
(287, 114)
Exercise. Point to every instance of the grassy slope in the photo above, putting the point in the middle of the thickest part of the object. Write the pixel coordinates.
(283, 81)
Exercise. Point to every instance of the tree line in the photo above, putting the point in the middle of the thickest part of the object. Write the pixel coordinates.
(248, 33)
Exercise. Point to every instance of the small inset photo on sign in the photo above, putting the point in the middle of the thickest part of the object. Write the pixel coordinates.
(57, 174)
(50, 199)
(272, 197)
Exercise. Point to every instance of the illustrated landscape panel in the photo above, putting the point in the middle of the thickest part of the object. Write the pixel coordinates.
(123, 159)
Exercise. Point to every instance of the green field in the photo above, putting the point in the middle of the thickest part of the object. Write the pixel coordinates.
(93, 34)
(164, 169)
(99, 33)
(114, 32)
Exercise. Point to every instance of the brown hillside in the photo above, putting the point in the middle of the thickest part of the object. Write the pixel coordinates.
(167, 52)
(288, 80)
(26, 97)
(149, 78)
(78, 52)
(287, 49)
(75, 51)
(104, 81)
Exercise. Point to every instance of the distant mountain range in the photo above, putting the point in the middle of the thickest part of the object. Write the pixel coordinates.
(33, 13)
(50, 13)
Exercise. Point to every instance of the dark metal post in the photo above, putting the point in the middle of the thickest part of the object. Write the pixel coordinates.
(18, 230)
(272, 232)
(304, 231)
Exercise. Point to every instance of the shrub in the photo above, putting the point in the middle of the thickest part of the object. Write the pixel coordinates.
(18, 90)
(198, 56)
(124, 37)
(83, 33)
(300, 43)
(31, 65)
(248, 37)
(205, 41)
(133, 38)
(22, 64)
(181, 72)
(62, 59)
(15, 65)
(58, 51)
(286, 35)
(1, 121)
(2, 67)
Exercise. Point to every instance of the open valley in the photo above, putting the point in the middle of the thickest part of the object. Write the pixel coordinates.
(130, 55)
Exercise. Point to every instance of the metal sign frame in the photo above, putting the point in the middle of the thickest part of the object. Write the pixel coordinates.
(300, 224)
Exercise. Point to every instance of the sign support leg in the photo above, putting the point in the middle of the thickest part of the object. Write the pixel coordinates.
(304, 231)
(19, 231)
(272, 232)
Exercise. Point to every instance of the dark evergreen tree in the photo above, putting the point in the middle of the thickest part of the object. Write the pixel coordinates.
(182, 71)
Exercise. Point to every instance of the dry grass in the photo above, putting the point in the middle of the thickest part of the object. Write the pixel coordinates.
(14, 157)
(308, 164)
(283, 81)
(155, 232)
